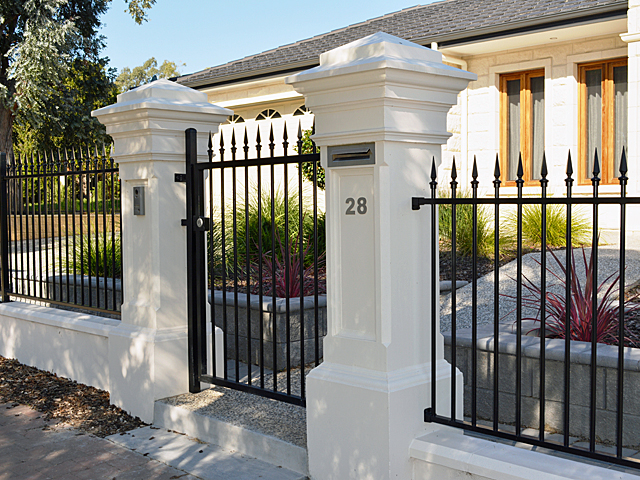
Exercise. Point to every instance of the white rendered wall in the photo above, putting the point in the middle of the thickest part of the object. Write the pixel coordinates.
(70, 344)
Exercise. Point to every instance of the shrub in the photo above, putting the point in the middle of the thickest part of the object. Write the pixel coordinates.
(556, 223)
(464, 225)
(249, 229)
(102, 256)
(307, 167)
(581, 305)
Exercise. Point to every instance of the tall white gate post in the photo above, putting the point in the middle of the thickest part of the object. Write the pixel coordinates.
(380, 105)
(148, 354)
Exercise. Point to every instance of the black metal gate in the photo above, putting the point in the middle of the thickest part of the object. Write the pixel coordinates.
(255, 256)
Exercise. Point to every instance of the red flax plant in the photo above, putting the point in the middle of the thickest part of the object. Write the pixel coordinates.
(287, 266)
(581, 305)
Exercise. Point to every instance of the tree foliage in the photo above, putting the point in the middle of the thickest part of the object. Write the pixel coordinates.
(129, 78)
(307, 167)
(88, 85)
(138, 9)
(43, 43)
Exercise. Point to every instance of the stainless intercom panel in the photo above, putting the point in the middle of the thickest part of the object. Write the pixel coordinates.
(352, 155)
(138, 200)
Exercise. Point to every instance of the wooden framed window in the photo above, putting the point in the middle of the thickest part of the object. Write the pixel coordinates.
(603, 101)
(521, 124)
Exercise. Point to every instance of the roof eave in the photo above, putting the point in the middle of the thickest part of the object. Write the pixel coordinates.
(598, 14)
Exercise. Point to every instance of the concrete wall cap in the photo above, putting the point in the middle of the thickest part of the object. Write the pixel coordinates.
(378, 45)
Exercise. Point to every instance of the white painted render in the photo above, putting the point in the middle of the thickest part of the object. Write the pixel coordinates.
(376, 375)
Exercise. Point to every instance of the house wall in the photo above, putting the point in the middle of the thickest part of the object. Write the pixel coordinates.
(560, 63)
(248, 100)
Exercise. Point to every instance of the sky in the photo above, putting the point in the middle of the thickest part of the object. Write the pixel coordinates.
(206, 33)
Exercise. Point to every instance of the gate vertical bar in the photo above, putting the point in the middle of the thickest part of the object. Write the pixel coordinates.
(595, 181)
(4, 230)
(623, 224)
(195, 245)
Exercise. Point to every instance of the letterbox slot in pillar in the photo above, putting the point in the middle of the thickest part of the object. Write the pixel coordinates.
(352, 155)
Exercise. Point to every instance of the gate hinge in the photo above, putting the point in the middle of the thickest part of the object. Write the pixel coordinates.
(180, 177)
(183, 222)
(417, 202)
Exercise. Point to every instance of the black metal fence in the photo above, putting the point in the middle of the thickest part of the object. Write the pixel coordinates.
(60, 229)
(261, 265)
(546, 351)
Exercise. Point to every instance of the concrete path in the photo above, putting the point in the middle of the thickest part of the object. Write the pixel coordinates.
(34, 449)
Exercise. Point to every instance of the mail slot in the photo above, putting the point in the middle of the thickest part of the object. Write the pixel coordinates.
(351, 155)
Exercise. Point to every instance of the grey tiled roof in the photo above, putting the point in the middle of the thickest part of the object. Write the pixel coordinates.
(443, 21)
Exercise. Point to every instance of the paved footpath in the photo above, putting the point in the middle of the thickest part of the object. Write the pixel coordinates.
(34, 449)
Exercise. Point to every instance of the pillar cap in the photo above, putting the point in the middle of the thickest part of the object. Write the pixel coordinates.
(376, 51)
(163, 95)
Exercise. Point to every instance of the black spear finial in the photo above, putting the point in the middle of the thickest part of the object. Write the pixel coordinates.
(474, 171)
(454, 172)
(623, 167)
(596, 167)
(520, 171)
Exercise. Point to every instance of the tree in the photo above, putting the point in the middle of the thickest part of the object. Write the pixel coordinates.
(129, 79)
(87, 85)
(39, 42)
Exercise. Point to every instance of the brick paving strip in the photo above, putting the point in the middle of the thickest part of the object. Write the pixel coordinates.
(33, 448)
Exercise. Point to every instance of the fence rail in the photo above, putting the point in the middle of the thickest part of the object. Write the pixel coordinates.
(561, 389)
(60, 229)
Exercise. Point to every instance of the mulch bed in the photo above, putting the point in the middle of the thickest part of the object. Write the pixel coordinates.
(71, 403)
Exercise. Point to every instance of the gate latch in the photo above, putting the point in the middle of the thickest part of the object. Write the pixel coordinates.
(202, 224)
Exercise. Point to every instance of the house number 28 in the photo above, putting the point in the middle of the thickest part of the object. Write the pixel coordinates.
(360, 207)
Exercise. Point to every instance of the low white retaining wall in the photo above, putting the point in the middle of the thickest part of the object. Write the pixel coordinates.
(70, 344)
(136, 365)
(447, 454)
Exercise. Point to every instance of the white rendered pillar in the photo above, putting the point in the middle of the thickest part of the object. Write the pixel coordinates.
(148, 352)
(632, 37)
(365, 402)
